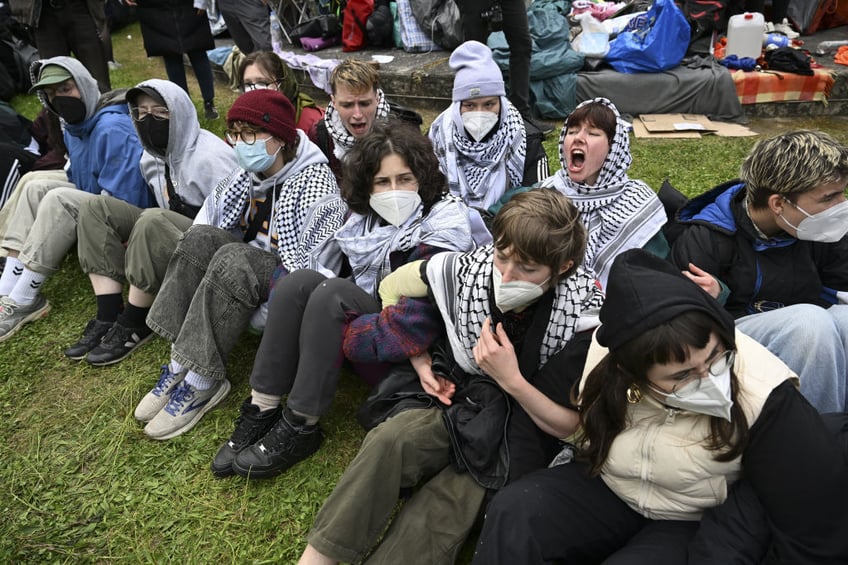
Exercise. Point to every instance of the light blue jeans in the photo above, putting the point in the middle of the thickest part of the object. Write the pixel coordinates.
(813, 342)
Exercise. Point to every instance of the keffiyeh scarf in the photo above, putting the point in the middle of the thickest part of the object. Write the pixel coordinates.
(479, 172)
(307, 208)
(462, 283)
(619, 213)
(342, 139)
(368, 245)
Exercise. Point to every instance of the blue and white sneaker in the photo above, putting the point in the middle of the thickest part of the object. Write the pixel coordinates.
(156, 399)
(184, 409)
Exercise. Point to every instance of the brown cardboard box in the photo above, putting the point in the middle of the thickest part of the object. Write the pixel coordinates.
(685, 126)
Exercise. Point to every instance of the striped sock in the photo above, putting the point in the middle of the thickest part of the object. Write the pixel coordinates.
(27, 288)
(11, 273)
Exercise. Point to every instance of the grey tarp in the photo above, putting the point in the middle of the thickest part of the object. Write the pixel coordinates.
(698, 86)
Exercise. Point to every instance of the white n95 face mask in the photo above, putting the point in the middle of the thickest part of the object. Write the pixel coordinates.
(395, 206)
(514, 294)
(828, 226)
(711, 398)
(479, 124)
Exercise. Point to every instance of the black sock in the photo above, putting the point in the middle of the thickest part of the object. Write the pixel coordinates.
(134, 317)
(109, 306)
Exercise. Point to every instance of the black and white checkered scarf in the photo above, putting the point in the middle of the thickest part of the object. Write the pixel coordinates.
(368, 245)
(619, 213)
(480, 171)
(307, 212)
(342, 139)
(462, 283)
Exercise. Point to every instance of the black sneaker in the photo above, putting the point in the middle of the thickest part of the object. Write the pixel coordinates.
(119, 342)
(251, 426)
(209, 111)
(91, 336)
(289, 441)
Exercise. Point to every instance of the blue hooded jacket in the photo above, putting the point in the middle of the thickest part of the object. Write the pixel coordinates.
(103, 150)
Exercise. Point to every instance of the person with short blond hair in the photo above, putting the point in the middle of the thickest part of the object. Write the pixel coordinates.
(356, 102)
(772, 248)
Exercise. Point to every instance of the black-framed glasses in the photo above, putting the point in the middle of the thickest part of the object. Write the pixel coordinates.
(247, 136)
(260, 85)
(689, 382)
(138, 113)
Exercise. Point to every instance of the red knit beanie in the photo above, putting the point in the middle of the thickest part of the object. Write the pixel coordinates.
(268, 110)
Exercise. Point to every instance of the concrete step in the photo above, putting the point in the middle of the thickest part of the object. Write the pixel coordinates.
(424, 80)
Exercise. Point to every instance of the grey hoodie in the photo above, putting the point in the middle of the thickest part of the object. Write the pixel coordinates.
(198, 159)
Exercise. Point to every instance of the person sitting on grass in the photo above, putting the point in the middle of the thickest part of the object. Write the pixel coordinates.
(771, 247)
(104, 154)
(119, 242)
(480, 139)
(489, 410)
(265, 69)
(620, 213)
(356, 103)
(279, 209)
(400, 212)
(681, 416)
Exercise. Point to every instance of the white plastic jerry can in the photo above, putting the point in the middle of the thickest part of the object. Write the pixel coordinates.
(745, 35)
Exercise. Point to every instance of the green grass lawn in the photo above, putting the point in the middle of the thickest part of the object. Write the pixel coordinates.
(80, 482)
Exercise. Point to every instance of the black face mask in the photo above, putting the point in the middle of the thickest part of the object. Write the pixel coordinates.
(70, 109)
(153, 133)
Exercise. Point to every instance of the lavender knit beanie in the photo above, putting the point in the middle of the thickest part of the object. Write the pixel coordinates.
(477, 74)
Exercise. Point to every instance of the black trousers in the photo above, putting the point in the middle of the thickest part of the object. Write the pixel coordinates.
(517, 32)
(71, 29)
(301, 349)
(15, 162)
(563, 514)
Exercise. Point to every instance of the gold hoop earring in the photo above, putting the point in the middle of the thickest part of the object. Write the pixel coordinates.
(633, 394)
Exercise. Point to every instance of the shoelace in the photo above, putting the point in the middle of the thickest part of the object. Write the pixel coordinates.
(245, 429)
(279, 436)
(165, 378)
(7, 308)
(180, 395)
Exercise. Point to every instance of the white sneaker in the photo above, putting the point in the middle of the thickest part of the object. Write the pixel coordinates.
(184, 409)
(785, 29)
(158, 397)
(13, 315)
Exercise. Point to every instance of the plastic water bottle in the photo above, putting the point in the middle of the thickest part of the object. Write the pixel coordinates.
(745, 35)
(276, 33)
(775, 40)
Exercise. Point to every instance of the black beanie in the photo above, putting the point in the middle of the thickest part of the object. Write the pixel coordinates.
(643, 292)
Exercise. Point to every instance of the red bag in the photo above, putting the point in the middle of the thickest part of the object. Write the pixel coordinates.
(354, 34)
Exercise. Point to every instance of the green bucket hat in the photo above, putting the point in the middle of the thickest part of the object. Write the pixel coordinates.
(50, 75)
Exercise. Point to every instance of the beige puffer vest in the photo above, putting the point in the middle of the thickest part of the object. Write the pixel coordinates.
(659, 466)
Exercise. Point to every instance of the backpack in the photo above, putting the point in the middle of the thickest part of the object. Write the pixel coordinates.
(380, 25)
(354, 31)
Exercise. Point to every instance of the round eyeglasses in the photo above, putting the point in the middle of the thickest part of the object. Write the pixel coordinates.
(138, 113)
(247, 136)
(688, 382)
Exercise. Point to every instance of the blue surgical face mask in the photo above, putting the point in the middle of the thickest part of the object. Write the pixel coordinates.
(254, 158)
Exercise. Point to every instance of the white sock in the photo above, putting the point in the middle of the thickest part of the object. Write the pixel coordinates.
(199, 381)
(11, 273)
(264, 401)
(174, 367)
(27, 288)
